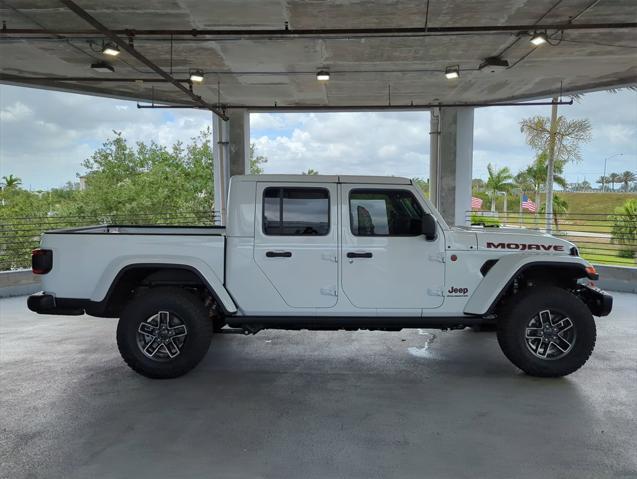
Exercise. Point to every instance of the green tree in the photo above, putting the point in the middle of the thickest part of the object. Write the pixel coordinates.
(560, 207)
(498, 181)
(569, 135)
(256, 161)
(477, 185)
(627, 177)
(533, 177)
(11, 181)
(614, 178)
(624, 229)
(147, 182)
(602, 180)
(310, 172)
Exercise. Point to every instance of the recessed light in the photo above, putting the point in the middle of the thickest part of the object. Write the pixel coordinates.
(452, 72)
(493, 64)
(323, 75)
(196, 76)
(538, 39)
(102, 67)
(110, 49)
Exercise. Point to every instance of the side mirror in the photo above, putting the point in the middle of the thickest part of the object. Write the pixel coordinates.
(428, 227)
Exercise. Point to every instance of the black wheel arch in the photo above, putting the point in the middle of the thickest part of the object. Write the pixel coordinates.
(564, 275)
(148, 275)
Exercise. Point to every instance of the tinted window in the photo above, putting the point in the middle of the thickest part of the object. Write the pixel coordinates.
(384, 213)
(296, 211)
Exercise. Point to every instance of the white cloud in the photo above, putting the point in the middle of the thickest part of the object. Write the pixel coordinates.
(15, 112)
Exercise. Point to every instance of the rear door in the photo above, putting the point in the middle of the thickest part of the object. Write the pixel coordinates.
(296, 238)
(386, 262)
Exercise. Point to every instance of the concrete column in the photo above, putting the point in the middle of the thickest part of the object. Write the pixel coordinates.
(220, 165)
(239, 138)
(450, 180)
(231, 155)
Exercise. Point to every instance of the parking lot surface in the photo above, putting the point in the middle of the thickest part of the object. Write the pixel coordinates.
(412, 404)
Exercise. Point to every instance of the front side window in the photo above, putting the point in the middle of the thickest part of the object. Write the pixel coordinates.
(296, 211)
(384, 213)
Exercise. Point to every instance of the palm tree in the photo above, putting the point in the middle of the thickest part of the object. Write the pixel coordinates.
(560, 207)
(614, 178)
(603, 180)
(627, 177)
(310, 172)
(534, 176)
(498, 181)
(11, 181)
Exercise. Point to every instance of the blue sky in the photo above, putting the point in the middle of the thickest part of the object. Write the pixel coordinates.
(45, 136)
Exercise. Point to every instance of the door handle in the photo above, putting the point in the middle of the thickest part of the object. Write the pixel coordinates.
(366, 254)
(278, 254)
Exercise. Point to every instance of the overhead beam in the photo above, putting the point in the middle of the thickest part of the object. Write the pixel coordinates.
(357, 108)
(137, 55)
(321, 32)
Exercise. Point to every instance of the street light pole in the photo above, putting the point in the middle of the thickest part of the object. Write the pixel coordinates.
(604, 175)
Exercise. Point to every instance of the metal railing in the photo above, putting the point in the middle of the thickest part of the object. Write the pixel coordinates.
(20, 235)
(604, 238)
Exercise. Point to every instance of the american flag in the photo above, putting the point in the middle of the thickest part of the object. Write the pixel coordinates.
(528, 204)
(476, 203)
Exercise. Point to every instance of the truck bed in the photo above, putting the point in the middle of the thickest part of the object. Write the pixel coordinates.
(86, 260)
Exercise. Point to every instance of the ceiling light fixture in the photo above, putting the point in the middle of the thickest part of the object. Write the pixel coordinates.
(452, 72)
(538, 39)
(102, 67)
(196, 76)
(323, 75)
(110, 49)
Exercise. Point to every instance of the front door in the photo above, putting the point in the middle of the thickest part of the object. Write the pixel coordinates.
(295, 242)
(386, 262)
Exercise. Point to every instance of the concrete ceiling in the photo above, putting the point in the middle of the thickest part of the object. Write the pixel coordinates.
(44, 39)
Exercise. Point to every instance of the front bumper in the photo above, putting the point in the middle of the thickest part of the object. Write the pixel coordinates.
(43, 303)
(598, 301)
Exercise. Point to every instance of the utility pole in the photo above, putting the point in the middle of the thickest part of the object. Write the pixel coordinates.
(604, 175)
(551, 167)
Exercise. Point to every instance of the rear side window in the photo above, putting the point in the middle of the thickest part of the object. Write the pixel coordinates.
(384, 213)
(296, 211)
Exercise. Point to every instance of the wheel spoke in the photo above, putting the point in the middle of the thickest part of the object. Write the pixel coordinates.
(545, 318)
(561, 343)
(564, 325)
(152, 347)
(533, 333)
(163, 319)
(178, 331)
(146, 328)
(171, 348)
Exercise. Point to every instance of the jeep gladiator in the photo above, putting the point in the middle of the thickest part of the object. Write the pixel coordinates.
(322, 253)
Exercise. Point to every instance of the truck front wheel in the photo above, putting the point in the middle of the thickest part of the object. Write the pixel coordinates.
(164, 333)
(547, 332)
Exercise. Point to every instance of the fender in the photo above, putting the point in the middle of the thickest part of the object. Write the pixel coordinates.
(507, 269)
(197, 266)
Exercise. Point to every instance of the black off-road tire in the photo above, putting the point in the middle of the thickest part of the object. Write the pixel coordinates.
(512, 331)
(189, 311)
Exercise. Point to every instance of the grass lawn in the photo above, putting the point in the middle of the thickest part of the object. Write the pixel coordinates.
(587, 213)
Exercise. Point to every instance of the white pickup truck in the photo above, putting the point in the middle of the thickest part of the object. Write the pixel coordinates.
(322, 253)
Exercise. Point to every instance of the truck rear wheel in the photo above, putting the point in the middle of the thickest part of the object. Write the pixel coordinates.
(547, 332)
(164, 333)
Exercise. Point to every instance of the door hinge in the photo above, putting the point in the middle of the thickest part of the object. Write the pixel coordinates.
(438, 257)
(329, 291)
(435, 292)
(329, 257)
